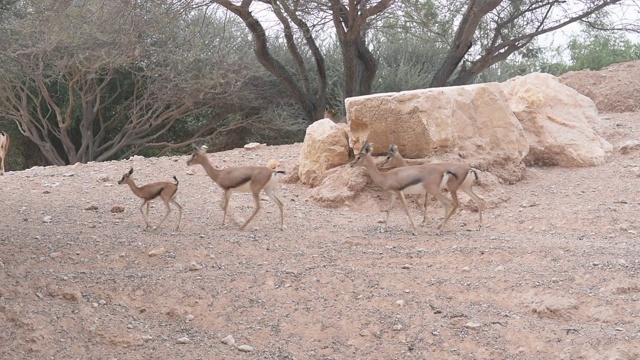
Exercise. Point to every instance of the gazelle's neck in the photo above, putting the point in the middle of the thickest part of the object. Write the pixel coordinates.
(134, 187)
(373, 172)
(210, 170)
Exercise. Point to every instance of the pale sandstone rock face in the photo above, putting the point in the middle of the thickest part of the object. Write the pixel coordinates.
(469, 120)
(326, 145)
(561, 125)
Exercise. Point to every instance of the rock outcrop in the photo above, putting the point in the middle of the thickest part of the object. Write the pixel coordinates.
(561, 125)
(326, 145)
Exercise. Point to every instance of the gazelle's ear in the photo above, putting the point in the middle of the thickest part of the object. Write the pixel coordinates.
(131, 171)
(367, 148)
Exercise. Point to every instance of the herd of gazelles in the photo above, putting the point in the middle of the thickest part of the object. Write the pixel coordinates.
(400, 180)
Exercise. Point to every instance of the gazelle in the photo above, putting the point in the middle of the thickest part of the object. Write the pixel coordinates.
(463, 177)
(4, 148)
(331, 114)
(406, 180)
(165, 190)
(248, 179)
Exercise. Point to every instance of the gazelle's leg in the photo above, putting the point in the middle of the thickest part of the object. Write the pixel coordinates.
(406, 210)
(145, 217)
(166, 214)
(256, 198)
(448, 207)
(271, 194)
(393, 200)
(225, 204)
(426, 202)
(479, 202)
(179, 212)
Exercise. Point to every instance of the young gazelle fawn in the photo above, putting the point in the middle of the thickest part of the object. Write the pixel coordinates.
(165, 190)
(463, 177)
(405, 180)
(4, 148)
(247, 179)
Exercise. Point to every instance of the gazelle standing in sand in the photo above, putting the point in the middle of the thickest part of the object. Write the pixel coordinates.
(165, 190)
(463, 177)
(248, 179)
(406, 180)
(4, 148)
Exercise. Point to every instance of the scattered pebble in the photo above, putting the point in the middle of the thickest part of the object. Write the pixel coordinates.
(183, 340)
(473, 325)
(245, 348)
(229, 340)
(157, 252)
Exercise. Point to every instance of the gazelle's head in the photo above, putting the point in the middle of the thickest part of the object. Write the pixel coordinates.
(126, 177)
(199, 157)
(392, 156)
(365, 152)
(329, 113)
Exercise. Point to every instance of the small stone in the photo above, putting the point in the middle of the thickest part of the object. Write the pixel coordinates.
(406, 266)
(194, 266)
(400, 302)
(46, 219)
(183, 340)
(473, 325)
(499, 268)
(622, 262)
(190, 317)
(157, 252)
(529, 203)
(465, 269)
(91, 207)
(229, 340)
(147, 338)
(397, 327)
(245, 348)
(117, 209)
(253, 146)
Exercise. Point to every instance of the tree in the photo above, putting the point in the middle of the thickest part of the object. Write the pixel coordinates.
(489, 31)
(596, 49)
(94, 80)
(351, 21)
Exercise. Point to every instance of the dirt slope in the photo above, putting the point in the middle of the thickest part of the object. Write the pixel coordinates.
(554, 275)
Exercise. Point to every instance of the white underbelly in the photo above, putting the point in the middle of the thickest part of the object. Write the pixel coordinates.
(414, 189)
(244, 188)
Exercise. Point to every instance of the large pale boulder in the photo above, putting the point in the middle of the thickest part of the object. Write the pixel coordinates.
(561, 125)
(326, 145)
(472, 120)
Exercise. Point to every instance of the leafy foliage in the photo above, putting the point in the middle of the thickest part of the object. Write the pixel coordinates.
(596, 49)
